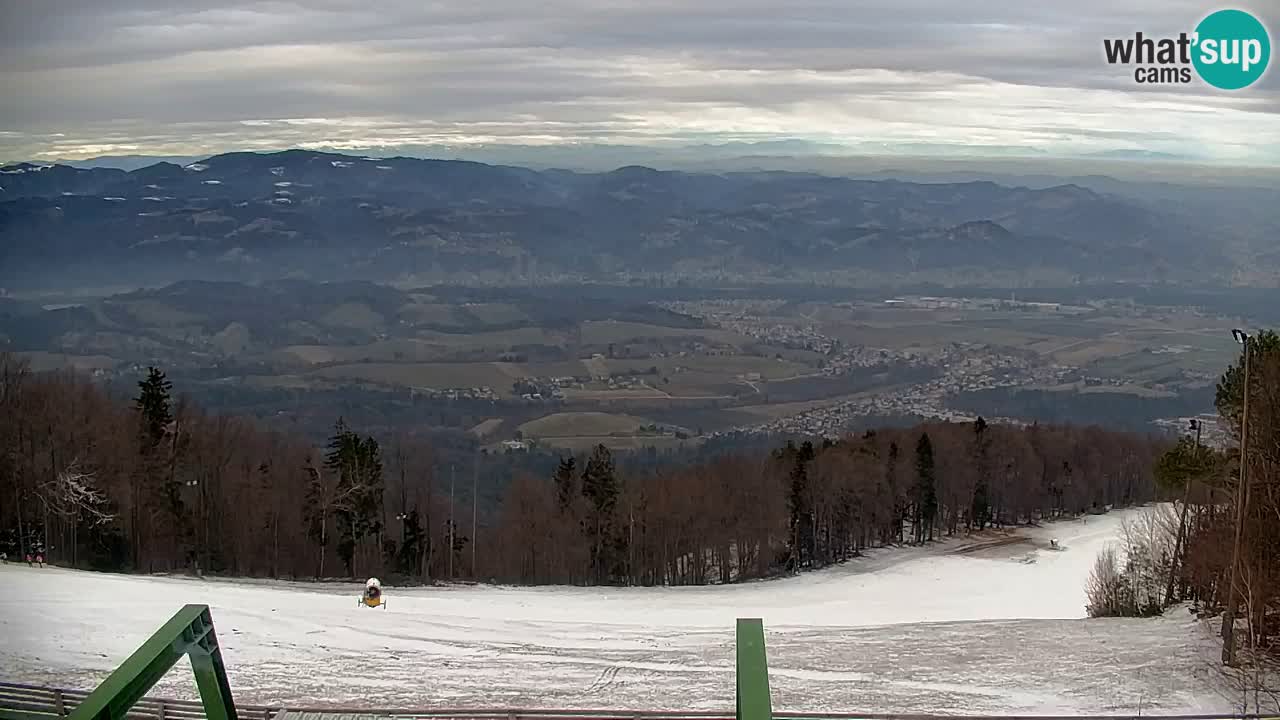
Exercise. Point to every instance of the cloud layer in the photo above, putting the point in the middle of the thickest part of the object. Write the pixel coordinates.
(183, 77)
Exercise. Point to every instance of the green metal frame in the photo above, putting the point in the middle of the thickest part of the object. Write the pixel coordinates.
(753, 699)
(189, 632)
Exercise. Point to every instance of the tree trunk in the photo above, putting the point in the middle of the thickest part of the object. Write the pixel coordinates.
(275, 545)
(324, 540)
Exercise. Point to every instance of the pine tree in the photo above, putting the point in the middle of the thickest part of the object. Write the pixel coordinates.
(357, 463)
(1229, 393)
(600, 488)
(980, 510)
(926, 489)
(799, 505)
(566, 480)
(154, 484)
(153, 405)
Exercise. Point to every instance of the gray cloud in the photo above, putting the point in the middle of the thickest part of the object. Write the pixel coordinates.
(84, 78)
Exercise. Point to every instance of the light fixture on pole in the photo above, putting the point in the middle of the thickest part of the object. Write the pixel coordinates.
(404, 529)
(1242, 508)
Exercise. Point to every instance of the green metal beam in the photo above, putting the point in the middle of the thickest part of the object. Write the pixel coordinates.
(188, 632)
(753, 700)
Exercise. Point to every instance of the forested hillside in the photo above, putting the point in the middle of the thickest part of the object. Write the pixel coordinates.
(158, 485)
(328, 216)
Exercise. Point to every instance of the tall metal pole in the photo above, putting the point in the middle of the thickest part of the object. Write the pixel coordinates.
(452, 524)
(1242, 505)
(475, 480)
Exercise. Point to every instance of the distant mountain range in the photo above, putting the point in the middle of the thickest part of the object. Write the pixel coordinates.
(598, 156)
(334, 216)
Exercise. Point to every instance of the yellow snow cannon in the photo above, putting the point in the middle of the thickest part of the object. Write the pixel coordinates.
(372, 596)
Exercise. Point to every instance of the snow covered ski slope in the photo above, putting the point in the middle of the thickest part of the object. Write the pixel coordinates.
(954, 627)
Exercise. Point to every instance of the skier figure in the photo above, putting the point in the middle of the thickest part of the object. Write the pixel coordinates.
(28, 559)
(40, 560)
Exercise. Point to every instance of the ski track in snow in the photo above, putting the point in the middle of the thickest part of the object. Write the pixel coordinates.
(996, 629)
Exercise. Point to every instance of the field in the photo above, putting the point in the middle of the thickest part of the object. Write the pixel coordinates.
(585, 443)
(438, 376)
(581, 431)
(461, 316)
(592, 424)
(1147, 347)
(427, 345)
(485, 428)
(41, 361)
(723, 366)
(600, 332)
(1096, 389)
(909, 630)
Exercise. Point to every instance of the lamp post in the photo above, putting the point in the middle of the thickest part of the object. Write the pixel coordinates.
(475, 483)
(402, 517)
(1242, 506)
(452, 526)
(202, 531)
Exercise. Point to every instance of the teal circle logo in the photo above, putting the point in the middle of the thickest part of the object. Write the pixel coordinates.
(1232, 49)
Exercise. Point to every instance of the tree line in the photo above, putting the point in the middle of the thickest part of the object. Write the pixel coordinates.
(807, 505)
(1220, 547)
(155, 484)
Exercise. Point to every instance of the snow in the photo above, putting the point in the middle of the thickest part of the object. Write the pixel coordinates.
(196, 167)
(963, 625)
(383, 167)
(25, 169)
(341, 163)
(284, 183)
(157, 198)
(212, 182)
(113, 199)
(277, 171)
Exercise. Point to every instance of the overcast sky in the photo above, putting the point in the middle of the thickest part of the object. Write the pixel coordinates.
(92, 77)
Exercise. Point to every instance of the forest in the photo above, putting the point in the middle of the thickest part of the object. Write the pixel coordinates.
(158, 485)
(1218, 545)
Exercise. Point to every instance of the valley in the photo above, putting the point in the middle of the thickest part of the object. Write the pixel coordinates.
(570, 367)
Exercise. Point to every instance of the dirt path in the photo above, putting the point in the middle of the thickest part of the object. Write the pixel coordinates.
(987, 544)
